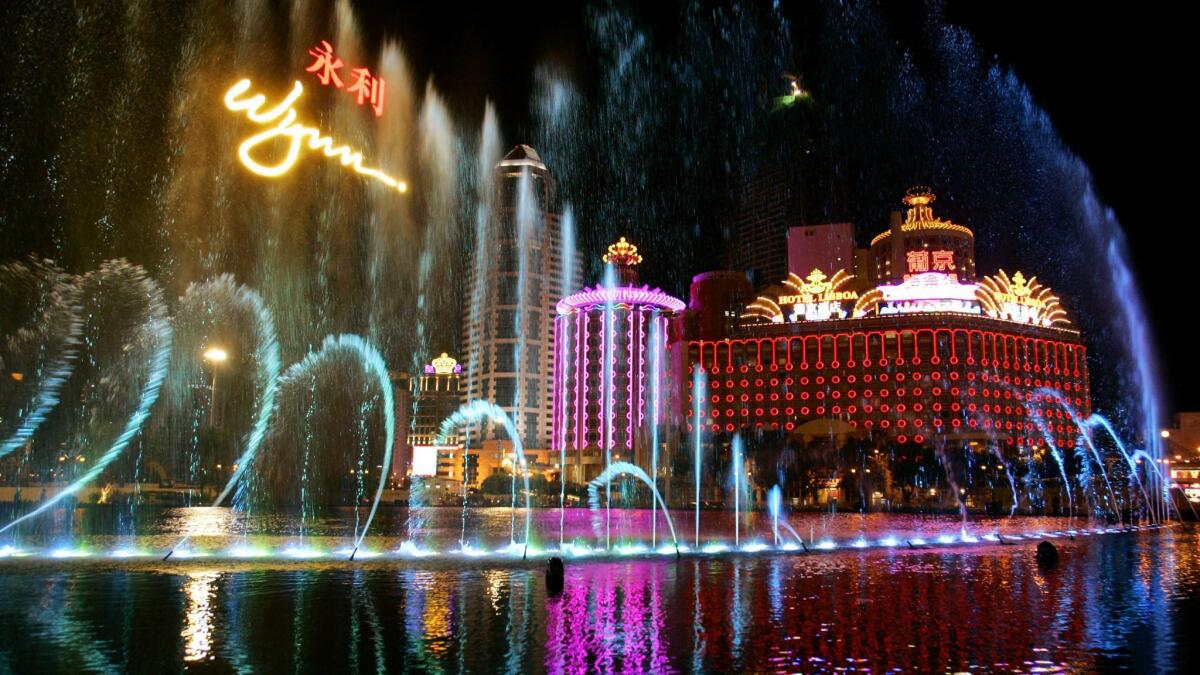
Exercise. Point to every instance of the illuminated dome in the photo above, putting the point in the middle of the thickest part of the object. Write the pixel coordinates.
(523, 155)
(909, 245)
(621, 296)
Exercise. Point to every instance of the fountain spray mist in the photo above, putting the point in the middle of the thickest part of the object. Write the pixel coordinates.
(149, 347)
(46, 345)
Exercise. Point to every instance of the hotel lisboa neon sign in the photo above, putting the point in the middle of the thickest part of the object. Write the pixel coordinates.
(283, 124)
(815, 298)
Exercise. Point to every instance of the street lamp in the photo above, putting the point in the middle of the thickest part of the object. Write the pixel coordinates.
(216, 356)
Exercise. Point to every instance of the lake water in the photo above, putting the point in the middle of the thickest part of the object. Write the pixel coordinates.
(1128, 600)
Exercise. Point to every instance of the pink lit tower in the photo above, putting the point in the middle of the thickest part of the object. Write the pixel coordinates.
(612, 391)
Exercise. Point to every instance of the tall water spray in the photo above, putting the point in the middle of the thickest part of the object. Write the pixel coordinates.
(737, 475)
(699, 385)
(609, 391)
(657, 349)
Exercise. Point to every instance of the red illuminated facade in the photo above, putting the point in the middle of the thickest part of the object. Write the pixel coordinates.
(911, 354)
(912, 378)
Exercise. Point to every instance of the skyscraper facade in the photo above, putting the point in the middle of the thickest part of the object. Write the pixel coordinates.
(521, 270)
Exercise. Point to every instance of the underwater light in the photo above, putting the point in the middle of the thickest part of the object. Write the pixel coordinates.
(357, 555)
(827, 545)
(412, 550)
(248, 552)
(300, 552)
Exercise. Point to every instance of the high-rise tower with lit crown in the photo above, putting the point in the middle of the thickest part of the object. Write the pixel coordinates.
(509, 317)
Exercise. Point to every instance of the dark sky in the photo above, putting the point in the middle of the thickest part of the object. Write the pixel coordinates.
(1106, 73)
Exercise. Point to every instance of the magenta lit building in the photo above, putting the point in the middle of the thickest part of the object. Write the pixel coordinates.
(612, 384)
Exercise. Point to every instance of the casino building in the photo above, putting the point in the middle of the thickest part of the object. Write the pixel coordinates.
(613, 381)
(909, 346)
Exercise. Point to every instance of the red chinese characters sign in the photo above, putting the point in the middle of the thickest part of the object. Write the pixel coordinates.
(366, 87)
(919, 262)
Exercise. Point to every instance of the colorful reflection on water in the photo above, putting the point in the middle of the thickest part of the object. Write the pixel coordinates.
(1117, 601)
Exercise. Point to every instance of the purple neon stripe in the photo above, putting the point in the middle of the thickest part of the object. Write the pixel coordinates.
(624, 295)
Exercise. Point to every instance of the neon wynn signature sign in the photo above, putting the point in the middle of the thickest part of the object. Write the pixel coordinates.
(282, 118)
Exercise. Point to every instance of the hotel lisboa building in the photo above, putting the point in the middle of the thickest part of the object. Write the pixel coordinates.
(912, 345)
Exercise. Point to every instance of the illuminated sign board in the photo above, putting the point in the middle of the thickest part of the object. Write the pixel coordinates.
(1017, 299)
(814, 298)
(817, 288)
(282, 126)
(425, 458)
(443, 365)
(366, 87)
(919, 262)
(927, 292)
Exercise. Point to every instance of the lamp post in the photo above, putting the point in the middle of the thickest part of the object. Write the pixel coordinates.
(216, 356)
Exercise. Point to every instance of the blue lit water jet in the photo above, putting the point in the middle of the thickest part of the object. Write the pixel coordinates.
(478, 411)
(625, 468)
(737, 472)
(656, 348)
(55, 328)
(153, 337)
(267, 359)
(373, 364)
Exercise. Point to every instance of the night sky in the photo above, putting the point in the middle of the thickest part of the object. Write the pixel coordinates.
(1107, 75)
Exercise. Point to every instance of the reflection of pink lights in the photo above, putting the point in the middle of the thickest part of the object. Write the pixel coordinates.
(625, 295)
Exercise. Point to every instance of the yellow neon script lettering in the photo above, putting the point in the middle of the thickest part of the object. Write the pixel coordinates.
(288, 127)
